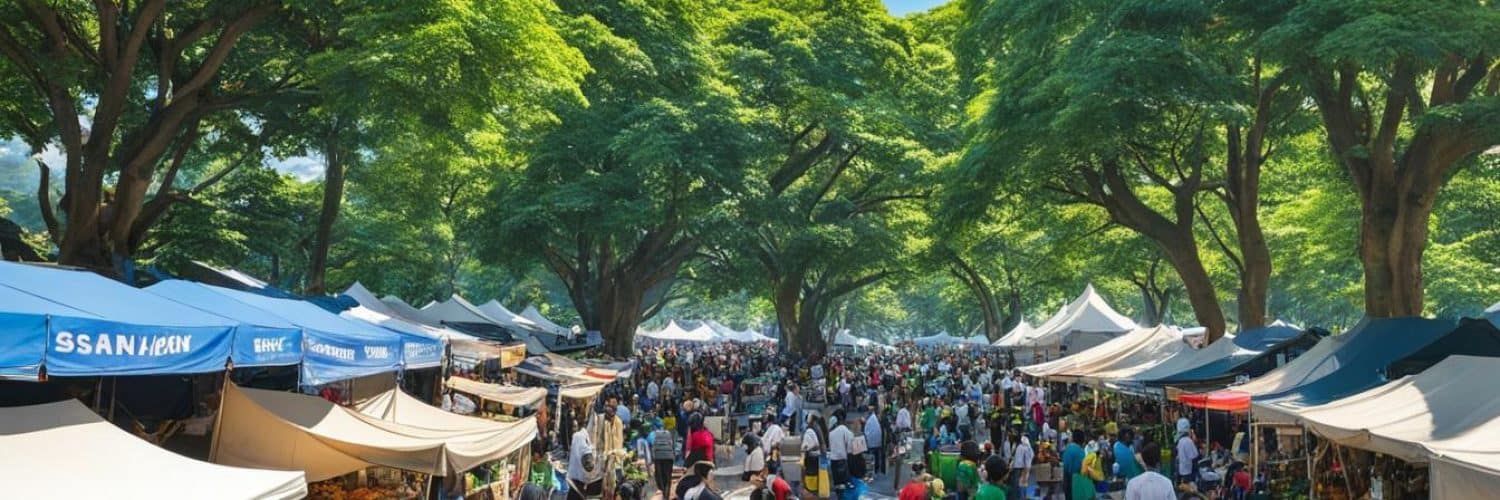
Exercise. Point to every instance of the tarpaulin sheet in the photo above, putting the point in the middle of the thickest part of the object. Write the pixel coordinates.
(504, 394)
(1226, 356)
(334, 348)
(1359, 363)
(125, 332)
(261, 338)
(63, 449)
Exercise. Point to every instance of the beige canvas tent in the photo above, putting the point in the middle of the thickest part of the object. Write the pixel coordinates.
(1139, 346)
(504, 394)
(282, 430)
(63, 449)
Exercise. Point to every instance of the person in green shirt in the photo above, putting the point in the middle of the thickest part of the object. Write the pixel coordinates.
(967, 475)
(928, 420)
(993, 488)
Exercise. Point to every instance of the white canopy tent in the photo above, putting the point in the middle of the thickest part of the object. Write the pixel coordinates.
(1086, 322)
(675, 333)
(941, 338)
(1137, 346)
(975, 340)
(457, 309)
(845, 339)
(64, 449)
(1022, 329)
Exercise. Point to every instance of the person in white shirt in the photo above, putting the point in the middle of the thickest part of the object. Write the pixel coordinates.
(772, 437)
(793, 408)
(670, 386)
(903, 420)
(653, 392)
(1020, 460)
(1187, 454)
(840, 441)
(579, 475)
(875, 440)
(1150, 485)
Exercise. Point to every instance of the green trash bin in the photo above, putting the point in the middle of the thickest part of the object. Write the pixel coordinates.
(945, 467)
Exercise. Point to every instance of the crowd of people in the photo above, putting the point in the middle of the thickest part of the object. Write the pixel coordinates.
(849, 417)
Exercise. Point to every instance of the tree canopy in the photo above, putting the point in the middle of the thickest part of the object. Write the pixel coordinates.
(804, 167)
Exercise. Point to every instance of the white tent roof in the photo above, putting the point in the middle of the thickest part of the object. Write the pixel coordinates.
(372, 310)
(975, 340)
(64, 447)
(459, 310)
(542, 322)
(942, 338)
(844, 338)
(1087, 313)
(1494, 308)
(1021, 330)
(733, 335)
(675, 333)
(1137, 346)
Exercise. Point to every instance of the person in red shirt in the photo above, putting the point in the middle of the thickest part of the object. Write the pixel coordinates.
(916, 489)
(699, 440)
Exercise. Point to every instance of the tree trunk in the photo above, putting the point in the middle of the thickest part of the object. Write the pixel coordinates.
(1200, 289)
(1393, 236)
(1255, 280)
(984, 297)
(1152, 315)
(333, 198)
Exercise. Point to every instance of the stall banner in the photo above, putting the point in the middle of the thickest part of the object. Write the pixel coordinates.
(330, 357)
(512, 355)
(265, 346)
(421, 352)
(88, 347)
(22, 344)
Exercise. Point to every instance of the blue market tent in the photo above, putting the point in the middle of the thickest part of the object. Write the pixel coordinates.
(261, 339)
(334, 348)
(1359, 362)
(89, 325)
(1249, 347)
(1473, 337)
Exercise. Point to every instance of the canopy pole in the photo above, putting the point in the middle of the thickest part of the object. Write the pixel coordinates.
(98, 393)
(114, 386)
(213, 447)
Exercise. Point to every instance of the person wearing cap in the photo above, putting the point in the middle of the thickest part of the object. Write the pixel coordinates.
(1187, 455)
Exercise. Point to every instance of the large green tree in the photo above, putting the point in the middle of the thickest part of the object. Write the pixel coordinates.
(1408, 92)
(614, 196)
(1145, 110)
(842, 103)
(123, 89)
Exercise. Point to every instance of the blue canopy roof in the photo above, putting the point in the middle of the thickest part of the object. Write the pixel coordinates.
(334, 348)
(261, 339)
(1360, 361)
(23, 331)
(1252, 344)
(143, 334)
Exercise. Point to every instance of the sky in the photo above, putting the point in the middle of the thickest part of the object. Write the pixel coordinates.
(904, 7)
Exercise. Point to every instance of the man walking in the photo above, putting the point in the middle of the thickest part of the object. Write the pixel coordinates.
(874, 439)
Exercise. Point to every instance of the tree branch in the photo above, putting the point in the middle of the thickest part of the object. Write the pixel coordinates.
(227, 39)
(44, 202)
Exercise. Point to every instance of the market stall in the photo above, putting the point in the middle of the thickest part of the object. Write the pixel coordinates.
(281, 430)
(63, 449)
